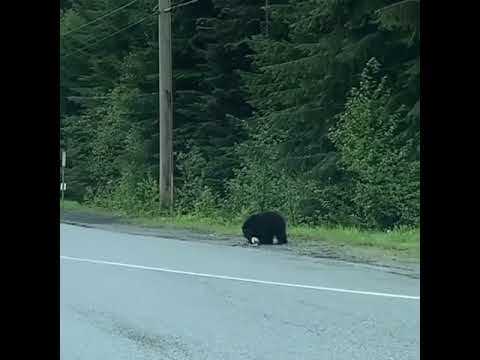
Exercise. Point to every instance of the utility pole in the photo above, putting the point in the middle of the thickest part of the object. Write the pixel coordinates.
(166, 104)
(166, 100)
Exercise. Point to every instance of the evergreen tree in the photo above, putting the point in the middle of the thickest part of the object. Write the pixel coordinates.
(256, 106)
(219, 101)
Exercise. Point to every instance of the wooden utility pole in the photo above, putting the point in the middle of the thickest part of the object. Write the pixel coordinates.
(166, 104)
(166, 100)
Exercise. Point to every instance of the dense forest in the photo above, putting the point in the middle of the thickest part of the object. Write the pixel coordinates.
(307, 107)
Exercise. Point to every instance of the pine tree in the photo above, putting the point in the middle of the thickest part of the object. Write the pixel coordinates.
(239, 86)
(219, 101)
(303, 76)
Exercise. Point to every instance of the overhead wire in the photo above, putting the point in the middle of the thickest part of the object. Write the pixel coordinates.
(100, 18)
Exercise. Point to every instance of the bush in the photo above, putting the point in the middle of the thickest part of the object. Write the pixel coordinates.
(385, 175)
(126, 196)
(193, 195)
(263, 183)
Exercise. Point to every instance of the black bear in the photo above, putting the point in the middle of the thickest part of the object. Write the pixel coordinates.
(265, 228)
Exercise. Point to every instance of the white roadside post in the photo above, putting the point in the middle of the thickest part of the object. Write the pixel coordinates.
(63, 186)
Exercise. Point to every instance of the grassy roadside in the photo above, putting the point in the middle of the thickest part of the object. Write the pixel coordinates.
(70, 205)
(399, 243)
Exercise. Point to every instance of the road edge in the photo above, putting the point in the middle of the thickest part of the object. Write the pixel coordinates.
(120, 224)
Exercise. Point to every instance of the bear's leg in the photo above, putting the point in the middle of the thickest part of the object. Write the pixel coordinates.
(282, 238)
(247, 233)
(267, 238)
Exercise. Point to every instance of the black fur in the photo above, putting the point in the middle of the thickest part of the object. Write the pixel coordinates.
(265, 226)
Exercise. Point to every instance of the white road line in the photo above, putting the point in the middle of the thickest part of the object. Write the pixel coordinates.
(239, 279)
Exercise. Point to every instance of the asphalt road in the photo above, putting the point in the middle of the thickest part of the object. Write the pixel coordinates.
(137, 297)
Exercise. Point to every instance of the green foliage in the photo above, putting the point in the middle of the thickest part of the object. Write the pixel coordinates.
(257, 182)
(386, 176)
(194, 196)
(403, 15)
(128, 196)
(281, 121)
(262, 182)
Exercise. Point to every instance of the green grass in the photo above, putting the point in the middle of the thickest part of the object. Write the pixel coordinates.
(401, 242)
(402, 239)
(70, 205)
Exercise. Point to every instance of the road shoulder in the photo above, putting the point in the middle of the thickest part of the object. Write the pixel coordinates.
(317, 249)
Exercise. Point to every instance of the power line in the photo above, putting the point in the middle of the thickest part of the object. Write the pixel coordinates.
(395, 5)
(101, 17)
(168, 9)
(109, 36)
(74, 98)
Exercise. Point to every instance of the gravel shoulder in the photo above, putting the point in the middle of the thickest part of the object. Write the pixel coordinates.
(316, 249)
